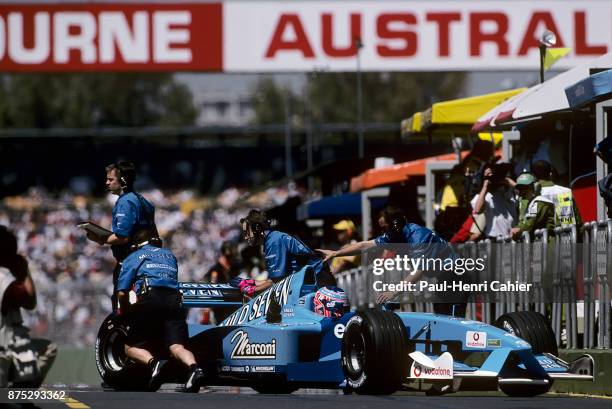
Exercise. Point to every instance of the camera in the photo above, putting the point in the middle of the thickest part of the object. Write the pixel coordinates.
(500, 172)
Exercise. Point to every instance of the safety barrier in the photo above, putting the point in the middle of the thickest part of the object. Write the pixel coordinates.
(570, 272)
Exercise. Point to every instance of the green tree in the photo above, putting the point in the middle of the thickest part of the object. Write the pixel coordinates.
(387, 97)
(272, 103)
(92, 100)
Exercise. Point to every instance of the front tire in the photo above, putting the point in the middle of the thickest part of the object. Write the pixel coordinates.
(115, 368)
(375, 353)
(531, 326)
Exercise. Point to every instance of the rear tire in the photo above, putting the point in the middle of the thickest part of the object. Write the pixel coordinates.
(531, 326)
(115, 368)
(375, 353)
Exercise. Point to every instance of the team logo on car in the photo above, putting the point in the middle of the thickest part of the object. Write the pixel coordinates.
(475, 339)
(245, 349)
(424, 367)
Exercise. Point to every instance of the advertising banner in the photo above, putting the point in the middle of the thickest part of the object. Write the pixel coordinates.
(278, 36)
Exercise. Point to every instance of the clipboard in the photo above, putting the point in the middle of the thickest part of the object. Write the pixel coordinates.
(95, 229)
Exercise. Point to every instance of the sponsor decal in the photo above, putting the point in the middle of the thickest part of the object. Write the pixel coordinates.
(111, 37)
(339, 330)
(288, 312)
(259, 368)
(441, 368)
(238, 369)
(548, 363)
(258, 306)
(245, 349)
(475, 339)
(495, 343)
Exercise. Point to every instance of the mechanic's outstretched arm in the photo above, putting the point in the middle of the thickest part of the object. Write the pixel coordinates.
(349, 250)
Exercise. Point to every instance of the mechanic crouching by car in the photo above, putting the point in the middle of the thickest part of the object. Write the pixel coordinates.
(284, 254)
(153, 273)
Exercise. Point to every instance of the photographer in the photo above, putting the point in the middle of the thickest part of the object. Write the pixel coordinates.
(496, 202)
(24, 362)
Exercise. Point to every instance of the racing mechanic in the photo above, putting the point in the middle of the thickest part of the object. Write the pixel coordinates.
(284, 254)
(422, 241)
(131, 213)
(152, 272)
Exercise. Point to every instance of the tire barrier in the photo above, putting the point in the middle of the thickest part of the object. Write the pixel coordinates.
(569, 270)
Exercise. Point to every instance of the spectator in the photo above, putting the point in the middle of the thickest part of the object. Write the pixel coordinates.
(225, 269)
(536, 211)
(226, 266)
(345, 231)
(454, 207)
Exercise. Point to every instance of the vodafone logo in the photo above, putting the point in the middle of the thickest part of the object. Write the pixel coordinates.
(475, 339)
(443, 370)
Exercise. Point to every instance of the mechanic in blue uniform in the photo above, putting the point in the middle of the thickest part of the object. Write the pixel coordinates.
(131, 213)
(157, 315)
(284, 254)
(423, 242)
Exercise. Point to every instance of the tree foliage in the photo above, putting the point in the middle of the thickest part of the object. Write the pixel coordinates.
(93, 100)
(332, 97)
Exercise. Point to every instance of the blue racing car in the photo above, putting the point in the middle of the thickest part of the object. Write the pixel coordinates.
(277, 343)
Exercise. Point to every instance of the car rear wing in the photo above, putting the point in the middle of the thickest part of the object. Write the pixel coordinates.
(201, 295)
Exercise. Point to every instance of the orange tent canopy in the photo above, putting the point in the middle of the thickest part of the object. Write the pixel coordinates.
(396, 173)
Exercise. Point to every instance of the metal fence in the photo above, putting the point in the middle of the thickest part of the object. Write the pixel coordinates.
(69, 313)
(570, 273)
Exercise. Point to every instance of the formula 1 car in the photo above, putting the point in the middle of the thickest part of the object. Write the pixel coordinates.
(275, 343)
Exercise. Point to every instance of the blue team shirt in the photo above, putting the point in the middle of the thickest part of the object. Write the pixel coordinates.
(423, 241)
(158, 265)
(286, 255)
(131, 212)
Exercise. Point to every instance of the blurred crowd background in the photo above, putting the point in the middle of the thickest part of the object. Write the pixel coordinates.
(73, 274)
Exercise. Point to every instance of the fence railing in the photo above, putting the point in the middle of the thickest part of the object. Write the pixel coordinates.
(570, 272)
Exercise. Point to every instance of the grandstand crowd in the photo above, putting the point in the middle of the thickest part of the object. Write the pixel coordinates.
(73, 274)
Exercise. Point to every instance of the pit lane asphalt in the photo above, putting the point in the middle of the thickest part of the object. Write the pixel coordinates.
(239, 398)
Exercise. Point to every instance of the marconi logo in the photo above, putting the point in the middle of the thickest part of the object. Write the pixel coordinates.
(244, 349)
